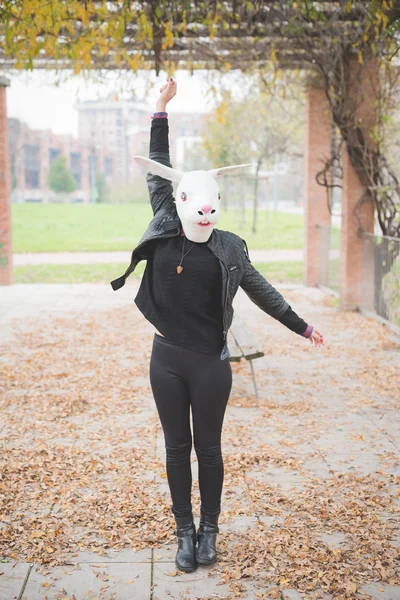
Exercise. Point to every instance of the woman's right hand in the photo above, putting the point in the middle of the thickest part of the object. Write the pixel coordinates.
(167, 92)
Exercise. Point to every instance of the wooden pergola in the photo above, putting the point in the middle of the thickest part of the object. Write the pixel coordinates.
(208, 35)
(244, 36)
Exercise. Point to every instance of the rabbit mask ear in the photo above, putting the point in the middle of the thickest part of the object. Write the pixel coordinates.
(229, 170)
(159, 169)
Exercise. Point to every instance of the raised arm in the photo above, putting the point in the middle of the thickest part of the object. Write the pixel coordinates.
(160, 189)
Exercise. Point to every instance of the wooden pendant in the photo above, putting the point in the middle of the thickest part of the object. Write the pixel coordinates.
(179, 269)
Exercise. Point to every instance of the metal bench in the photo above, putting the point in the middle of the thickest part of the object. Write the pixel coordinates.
(242, 343)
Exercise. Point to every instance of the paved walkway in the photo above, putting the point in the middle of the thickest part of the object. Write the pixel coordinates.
(311, 503)
(85, 258)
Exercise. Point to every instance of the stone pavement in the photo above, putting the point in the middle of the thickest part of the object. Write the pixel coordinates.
(85, 258)
(317, 457)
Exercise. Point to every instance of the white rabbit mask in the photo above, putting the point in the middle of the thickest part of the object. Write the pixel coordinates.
(198, 200)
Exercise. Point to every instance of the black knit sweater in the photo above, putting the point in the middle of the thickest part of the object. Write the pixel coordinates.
(187, 307)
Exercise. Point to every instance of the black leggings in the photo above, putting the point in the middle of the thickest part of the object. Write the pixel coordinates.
(180, 378)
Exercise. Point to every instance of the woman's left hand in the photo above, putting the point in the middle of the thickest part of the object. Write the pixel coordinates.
(316, 338)
(167, 92)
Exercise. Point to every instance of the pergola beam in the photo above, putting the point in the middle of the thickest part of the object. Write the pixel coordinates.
(258, 33)
(287, 53)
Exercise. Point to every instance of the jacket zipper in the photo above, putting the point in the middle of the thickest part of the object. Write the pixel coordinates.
(225, 333)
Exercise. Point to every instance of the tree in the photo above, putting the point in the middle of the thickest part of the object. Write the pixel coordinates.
(102, 188)
(60, 177)
(254, 129)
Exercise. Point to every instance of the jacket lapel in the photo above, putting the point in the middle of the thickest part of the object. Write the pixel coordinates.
(215, 246)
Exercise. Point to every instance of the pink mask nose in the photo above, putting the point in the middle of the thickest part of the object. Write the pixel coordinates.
(206, 209)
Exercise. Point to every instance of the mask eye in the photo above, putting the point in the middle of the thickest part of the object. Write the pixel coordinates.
(184, 196)
(219, 196)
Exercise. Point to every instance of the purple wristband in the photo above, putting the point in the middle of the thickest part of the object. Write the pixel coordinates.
(159, 115)
(308, 331)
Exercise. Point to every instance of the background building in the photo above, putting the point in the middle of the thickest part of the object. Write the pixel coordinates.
(111, 133)
(32, 152)
(109, 123)
(124, 127)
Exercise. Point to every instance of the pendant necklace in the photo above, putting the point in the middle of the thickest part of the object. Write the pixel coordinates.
(179, 267)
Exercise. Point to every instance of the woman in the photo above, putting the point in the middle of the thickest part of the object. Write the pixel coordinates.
(190, 266)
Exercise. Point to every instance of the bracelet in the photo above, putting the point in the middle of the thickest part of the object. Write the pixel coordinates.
(159, 115)
(308, 331)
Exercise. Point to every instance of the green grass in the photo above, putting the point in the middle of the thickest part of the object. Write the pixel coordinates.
(282, 272)
(103, 227)
(104, 273)
(97, 273)
(74, 228)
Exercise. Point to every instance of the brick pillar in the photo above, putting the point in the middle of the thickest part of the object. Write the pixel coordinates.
(5, 191)
(318, 148)
(356, 270)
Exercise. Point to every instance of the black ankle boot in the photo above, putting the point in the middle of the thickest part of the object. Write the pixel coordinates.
(206, 552)
(185, 558)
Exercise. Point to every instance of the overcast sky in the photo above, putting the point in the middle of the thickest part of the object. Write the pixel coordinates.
(42, 104)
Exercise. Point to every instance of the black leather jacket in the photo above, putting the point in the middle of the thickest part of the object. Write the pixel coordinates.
(229, 248)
